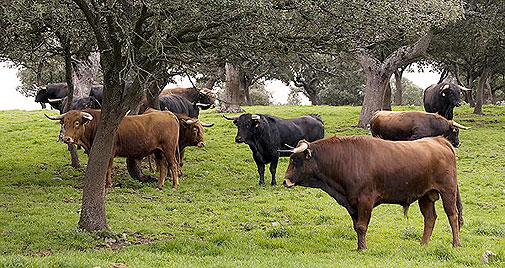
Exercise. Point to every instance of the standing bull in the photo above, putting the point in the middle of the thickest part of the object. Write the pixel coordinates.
(52, 94)
(362, 172)
(413, 125)
(442, 98)
(137, 137)
(266, 134)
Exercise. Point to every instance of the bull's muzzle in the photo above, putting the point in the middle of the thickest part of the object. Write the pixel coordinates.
(201, 144)
(239, 139)
(288, 183)
(68, 140)
(458, 104)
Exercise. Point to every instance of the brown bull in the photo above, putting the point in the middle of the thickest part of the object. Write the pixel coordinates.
(190, 134)
(413, 125)
(361, 173)
(138, 136)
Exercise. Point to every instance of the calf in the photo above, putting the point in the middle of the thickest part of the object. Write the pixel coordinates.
(362, 172)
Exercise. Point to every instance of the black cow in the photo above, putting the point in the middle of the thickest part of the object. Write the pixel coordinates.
(203, 97)
(178, 104)
(80, 103)
(265, 134)
(97, 92)
(52, 94)
(442, 98)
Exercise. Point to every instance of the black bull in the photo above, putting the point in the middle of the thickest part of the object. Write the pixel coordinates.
(265, 134)
(442, 98)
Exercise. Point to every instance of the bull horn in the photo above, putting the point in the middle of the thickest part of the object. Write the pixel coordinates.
(255, 117)
(190, 121)
(235, 117)
(54, 100)
(464, 88)
(56, 117)
(202, 104)
(445, 86)
(458, 125)
(87, 116)
(301, 148)
(289, 146)
(206, 125)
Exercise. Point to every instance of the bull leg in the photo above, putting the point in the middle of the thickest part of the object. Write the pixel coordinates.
(161, 164)
(427, 207)
(449, 202)
(173, 165)
(360, 221)
(261, 171)
(149, 160)
(273, 168)
(180, 160)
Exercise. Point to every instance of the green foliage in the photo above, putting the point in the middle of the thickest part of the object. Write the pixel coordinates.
(412, 94)
(259, 95)
(220, 217)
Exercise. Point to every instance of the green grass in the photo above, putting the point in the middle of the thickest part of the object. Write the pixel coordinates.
(220, 217)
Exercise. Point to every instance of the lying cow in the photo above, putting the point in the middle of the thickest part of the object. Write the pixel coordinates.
(413, 125)
(362, 172)
(266, 134)
(442, 98)
(137, 137)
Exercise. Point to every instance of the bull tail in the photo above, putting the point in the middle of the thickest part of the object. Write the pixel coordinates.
(406, 211)
(459, 206)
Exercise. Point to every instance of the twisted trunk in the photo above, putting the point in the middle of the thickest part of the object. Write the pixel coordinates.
(233, 93)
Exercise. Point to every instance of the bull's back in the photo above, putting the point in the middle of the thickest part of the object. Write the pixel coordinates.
(140, 135)
(430, 99)
(305, 127)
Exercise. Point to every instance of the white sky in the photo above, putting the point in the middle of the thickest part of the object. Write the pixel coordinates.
(10, 99)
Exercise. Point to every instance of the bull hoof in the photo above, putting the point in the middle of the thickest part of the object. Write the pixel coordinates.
(159, 189)
(274, 183)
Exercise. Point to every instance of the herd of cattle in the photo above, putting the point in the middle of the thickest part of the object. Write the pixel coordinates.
(409, 158)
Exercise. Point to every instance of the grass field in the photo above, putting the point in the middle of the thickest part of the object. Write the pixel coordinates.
(220, 217)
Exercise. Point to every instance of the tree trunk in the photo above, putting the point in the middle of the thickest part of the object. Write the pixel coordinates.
(492, 98)
(378, 74)
(212, 80)
(398, 87)
(85, 69)
(468, 94)
(386, 102)
(232, 91)
(480, 91)
(373, 99)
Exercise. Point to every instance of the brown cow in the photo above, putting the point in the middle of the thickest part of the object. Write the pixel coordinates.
(138, 136)
(413, 125)
(190, 134)
(362, 172)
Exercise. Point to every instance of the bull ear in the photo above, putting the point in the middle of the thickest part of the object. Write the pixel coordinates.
(308, 153)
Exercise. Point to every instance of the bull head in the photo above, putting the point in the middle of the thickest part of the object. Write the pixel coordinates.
(303, 146)
(72, 123)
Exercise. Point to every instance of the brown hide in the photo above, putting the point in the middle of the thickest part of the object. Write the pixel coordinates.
(363, 172)
(138, 136)
(412, 125)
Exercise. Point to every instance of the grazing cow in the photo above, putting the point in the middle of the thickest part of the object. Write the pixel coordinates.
(265, 134)
(202, 97)
(413, 125)
(363, 172)
(137, 137)
(52, 94)
(442, 98)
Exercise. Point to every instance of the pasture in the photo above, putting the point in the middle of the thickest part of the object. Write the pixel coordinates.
(220, 217)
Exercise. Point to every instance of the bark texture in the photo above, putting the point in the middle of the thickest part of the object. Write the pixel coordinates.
(234, 90)
(379, 72)
(480, 91)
